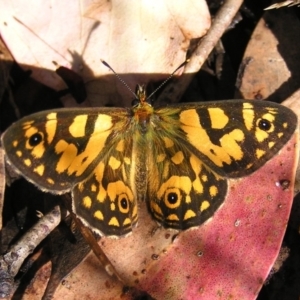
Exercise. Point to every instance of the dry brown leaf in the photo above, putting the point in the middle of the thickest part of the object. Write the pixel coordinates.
(149, 37)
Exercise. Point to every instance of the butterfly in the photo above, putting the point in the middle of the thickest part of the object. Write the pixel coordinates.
(177, 158)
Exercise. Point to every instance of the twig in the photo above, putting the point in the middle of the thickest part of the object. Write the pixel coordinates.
(224, 17)
(90, 239)
(283, 4)
(11, 262)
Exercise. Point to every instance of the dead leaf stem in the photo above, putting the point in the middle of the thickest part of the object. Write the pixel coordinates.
(222, 20)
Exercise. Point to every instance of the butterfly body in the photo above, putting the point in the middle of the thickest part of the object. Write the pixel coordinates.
(177, 158)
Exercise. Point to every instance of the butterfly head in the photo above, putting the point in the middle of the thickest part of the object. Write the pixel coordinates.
(141, 106)
(141, 98)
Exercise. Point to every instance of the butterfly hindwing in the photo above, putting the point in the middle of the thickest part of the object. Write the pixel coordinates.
(106, 201)
(182, 191)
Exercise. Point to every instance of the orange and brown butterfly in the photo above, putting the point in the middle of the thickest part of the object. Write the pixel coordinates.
(177, 158)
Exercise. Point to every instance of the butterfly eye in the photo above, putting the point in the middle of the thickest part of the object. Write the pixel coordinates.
(264, 124)
(35, 139)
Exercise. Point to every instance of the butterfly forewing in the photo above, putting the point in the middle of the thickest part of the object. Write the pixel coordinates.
(57, 149)
(236, 137)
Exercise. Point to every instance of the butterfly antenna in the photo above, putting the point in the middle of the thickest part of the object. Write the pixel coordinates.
(163, 83)
(108, 66)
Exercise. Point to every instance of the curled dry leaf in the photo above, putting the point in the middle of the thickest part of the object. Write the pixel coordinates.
(271, 65)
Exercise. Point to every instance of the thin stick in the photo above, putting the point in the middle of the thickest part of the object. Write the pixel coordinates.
(11, 262)
(224, 17)
(90, 239)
